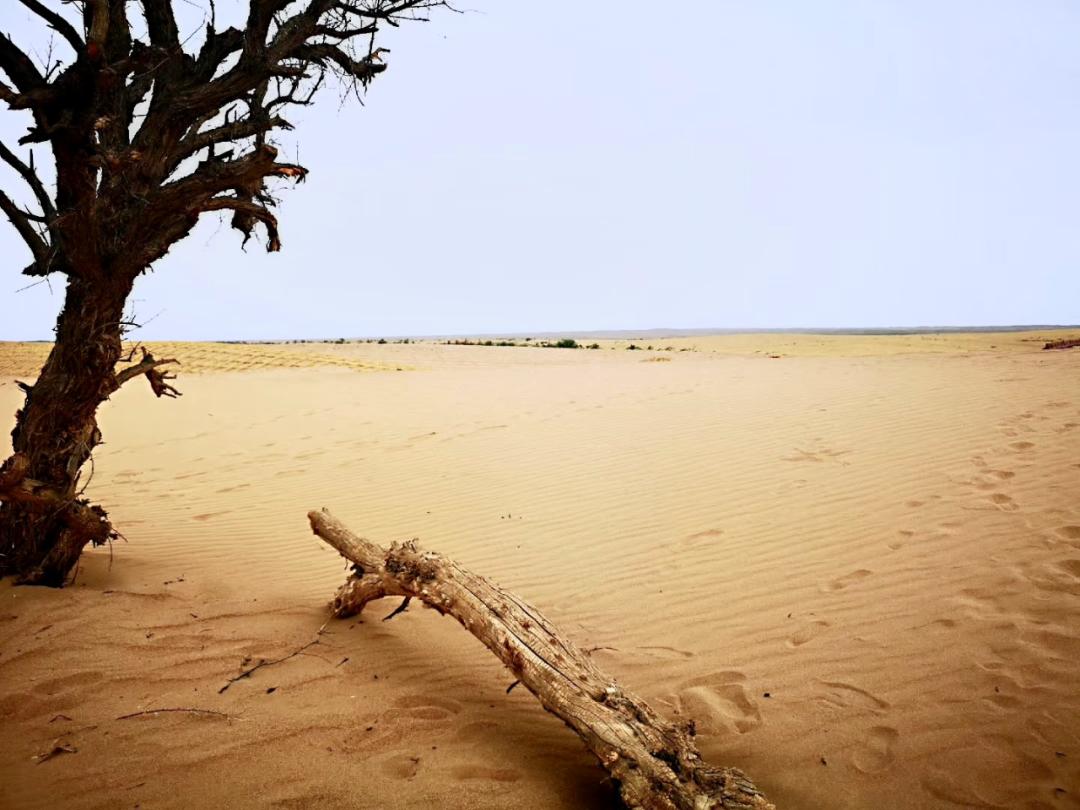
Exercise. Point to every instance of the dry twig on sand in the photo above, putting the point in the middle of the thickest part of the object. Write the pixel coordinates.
(210, 712)
(246, 673)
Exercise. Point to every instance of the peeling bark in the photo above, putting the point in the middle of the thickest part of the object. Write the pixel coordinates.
(653, 761)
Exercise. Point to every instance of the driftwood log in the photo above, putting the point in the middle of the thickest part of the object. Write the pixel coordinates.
(1064, 343)
(654, 762)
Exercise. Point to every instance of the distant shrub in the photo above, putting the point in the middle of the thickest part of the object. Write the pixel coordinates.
(381, 340)
(633, 348)
(593, 346)
(566, 343)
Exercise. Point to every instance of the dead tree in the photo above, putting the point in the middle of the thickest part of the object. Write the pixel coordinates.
(654, 762)
(146, 137)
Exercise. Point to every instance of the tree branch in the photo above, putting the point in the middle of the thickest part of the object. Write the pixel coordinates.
(97, 28)
(245, 214)
(161, 23)
(57, 23)
(149, 366)
(653, 762)
(28, 173)
(38, 246)
(19, 68)
(234, 131)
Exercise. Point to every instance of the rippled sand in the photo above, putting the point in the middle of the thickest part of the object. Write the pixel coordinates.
(856, 565)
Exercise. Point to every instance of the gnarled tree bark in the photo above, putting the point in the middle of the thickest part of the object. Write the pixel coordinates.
(44, 522)
(145, 137)
(654, 762)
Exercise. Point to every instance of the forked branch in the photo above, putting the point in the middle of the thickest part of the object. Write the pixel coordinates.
(654, 762)
(149, 366)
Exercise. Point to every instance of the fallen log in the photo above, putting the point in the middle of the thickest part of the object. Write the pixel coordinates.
(1064, 343)
(655, 763)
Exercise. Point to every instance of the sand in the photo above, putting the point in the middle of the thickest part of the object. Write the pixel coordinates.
(857, 566)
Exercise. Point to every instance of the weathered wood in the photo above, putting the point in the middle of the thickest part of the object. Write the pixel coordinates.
(1064, 343)
(654, 762)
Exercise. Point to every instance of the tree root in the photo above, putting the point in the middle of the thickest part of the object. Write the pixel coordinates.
(83, 523)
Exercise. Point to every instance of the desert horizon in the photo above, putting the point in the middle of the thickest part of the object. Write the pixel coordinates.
(852, 561)
(624, 334)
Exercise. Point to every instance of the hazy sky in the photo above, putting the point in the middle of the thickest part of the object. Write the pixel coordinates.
(535, 166)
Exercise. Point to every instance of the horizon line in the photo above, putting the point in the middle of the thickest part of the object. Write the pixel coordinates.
(623, 334)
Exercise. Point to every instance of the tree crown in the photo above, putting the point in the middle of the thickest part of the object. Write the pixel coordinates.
(147, 135)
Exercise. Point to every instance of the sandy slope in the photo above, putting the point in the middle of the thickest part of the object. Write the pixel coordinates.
(858, 569)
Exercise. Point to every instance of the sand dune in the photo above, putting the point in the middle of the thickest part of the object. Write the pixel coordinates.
(25, 359)
(857, 566)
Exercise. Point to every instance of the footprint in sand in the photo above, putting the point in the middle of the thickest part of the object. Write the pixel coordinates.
(701, 538)
(807, 632)
(719, 704)
(847, 696)
(1071, 567)
(400, 766)
(840, 583)
(1070, 534)
(1058, 577)
(1002, 475)
(1021, 447)
(896, 545)
(970, 775)
(875, 753)
(1003, 502)
(477, 731)
(208, 516)
(425, 707)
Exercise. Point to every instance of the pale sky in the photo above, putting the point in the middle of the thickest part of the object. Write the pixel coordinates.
(531, 166)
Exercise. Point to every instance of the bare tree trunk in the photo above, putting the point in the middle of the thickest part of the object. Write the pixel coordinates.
(44, 522)
(654, 763)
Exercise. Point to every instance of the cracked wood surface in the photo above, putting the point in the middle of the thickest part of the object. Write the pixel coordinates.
(654, 762)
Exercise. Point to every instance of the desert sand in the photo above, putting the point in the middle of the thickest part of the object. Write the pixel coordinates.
(855, 564)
